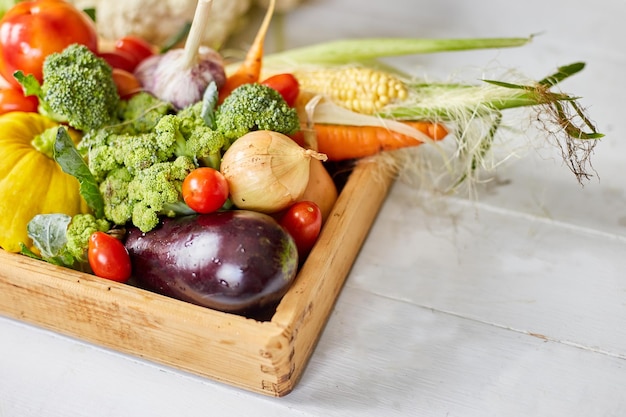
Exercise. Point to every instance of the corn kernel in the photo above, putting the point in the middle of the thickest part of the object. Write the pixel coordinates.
(359, 89)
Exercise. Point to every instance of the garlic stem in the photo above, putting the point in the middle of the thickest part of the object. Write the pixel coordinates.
(198, 26)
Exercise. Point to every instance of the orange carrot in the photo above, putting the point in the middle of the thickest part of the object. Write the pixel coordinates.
(250, 69)
(342, 142)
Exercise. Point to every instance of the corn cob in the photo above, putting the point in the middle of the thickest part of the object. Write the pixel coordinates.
(363, 90)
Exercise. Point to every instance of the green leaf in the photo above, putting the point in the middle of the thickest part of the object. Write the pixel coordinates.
(30, 84)
(209, 103)
(562, 73)
(506, 84)
(177, 38)
(91, 12)
(67, 156)
(24, 250)
(48, 233)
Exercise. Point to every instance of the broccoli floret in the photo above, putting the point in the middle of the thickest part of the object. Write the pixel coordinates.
(114, 190)
(190, 117)
(77, 88)
(141, 112)
(169, 136)
(206, 145)
(186, 135)
(156, 191)
(255, 107)
(96, 147)
(108, 151)
(78, 232)
(137, 152)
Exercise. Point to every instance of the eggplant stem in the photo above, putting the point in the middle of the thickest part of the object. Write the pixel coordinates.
(198, 25)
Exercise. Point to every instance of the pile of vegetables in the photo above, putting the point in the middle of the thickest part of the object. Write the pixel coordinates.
(204, 181)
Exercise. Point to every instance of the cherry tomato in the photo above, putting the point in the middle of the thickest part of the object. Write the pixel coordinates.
(137, 48)
(205, 190)
(286, 84)
(108, 258)
(119, 59)
(32, 30)
(12, 99)
(303, 221)
(127, 84)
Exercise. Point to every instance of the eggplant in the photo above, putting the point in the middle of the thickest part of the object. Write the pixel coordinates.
(234, 261)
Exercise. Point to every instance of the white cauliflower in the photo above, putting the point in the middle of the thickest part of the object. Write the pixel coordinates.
(159, 20)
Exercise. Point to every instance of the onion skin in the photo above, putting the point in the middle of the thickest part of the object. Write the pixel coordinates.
(266, 171)
(234, 261)
(166, 77)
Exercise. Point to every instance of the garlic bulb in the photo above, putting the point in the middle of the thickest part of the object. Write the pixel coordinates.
(168, 76)
(266, 171)
(180, 76)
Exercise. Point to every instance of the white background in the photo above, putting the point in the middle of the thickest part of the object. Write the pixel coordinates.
(510, 303)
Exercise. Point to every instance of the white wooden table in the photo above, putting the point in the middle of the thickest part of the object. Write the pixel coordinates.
(509, 304)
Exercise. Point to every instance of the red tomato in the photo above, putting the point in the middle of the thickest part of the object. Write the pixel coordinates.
(32, 30)
(12, 99)
(303, 221)
(205, 190)
(286, 84)
(139, 49)
(127, 84)
(119, 59)
(108, 258)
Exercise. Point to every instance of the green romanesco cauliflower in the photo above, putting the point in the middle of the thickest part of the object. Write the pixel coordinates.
(143, 197)
(202, 143)
(185, 134)
(109, 151)
(78, 232)
(141, 175)
(77, 88)
(141, 113)
(160, 137)
(141, 161)
(114, 189)
(191, 118)
(255, 107)
(156, 191)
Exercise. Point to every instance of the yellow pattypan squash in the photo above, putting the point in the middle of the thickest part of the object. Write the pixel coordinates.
(31, 182)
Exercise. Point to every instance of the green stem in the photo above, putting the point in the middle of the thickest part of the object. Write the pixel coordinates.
(355, 50)
(44, 142)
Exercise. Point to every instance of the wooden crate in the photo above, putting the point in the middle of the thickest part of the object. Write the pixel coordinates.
(262, 356)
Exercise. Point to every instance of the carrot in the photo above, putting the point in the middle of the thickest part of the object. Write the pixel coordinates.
(250, 69)
(342, 142)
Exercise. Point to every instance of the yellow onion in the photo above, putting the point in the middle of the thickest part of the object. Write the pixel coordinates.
(267, 171)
